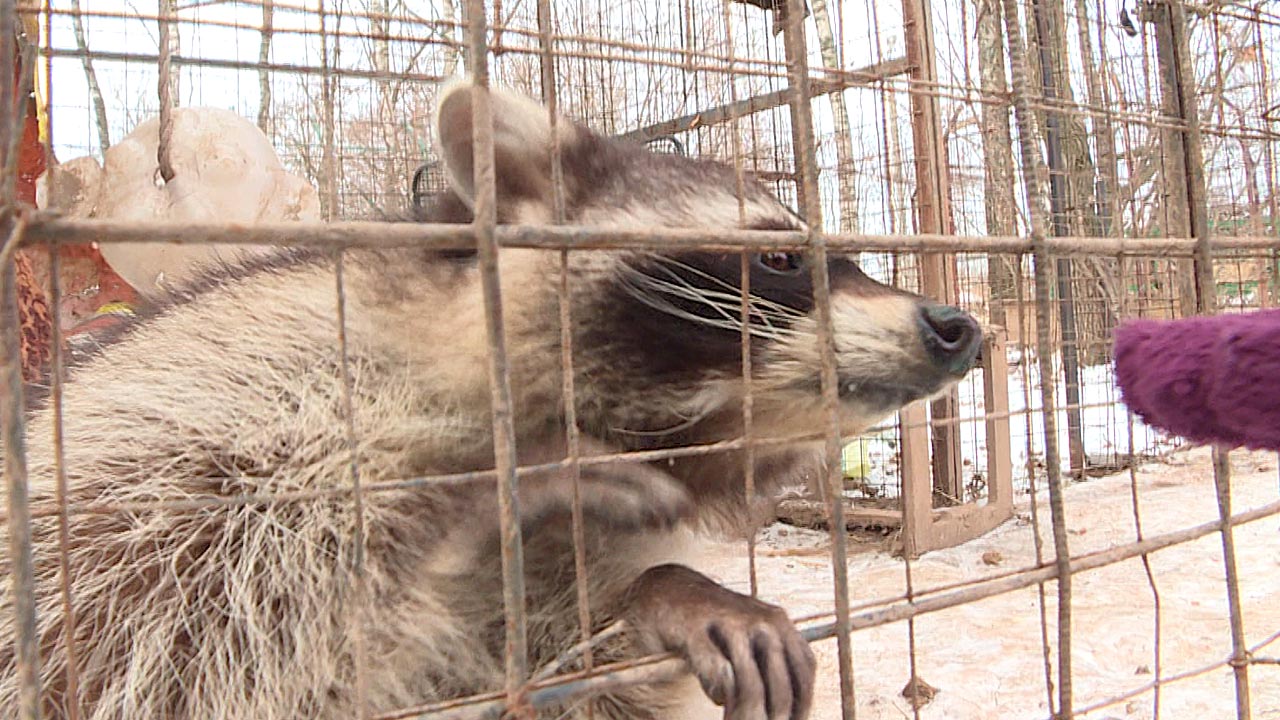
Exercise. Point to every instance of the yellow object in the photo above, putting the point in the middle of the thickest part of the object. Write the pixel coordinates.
(115, 308)
(857, 460)
(34, 31)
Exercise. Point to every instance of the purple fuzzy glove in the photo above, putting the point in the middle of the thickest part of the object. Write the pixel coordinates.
(1209, 379)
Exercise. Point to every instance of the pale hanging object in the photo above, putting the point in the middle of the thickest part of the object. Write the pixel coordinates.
(225, 171)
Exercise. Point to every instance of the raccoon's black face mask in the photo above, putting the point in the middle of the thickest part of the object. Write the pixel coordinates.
(671, 324)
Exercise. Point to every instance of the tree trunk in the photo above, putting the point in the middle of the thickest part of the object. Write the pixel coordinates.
(846, 177)
(329, 167)
(264, 75)
(997, 146)
(1078, 169)
(1271, 278)
(1088, 187)
(91, 77)
(900, 214)
(1104, 132)
(1177, 203)
(1066, 151)
(1099, 279)
(455, 55)
(390, 171)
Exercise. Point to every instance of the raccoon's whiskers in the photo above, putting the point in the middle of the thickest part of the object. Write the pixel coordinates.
(690, 422)
(734, 292)
(650, 289)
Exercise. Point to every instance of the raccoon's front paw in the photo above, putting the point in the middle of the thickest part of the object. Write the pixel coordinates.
(747, 654)
(619, 497)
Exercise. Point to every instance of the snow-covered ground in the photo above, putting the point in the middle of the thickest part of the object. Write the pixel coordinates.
(986, 658)
(1104, 423)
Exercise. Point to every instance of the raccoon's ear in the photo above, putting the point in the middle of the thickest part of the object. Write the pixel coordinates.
(521, 143)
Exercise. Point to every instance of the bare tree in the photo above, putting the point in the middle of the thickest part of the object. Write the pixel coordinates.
(1176, 205)
(846, 177)
(264, 75)
(455, 56)
(384, 104)
(997, 147)
(91, 77)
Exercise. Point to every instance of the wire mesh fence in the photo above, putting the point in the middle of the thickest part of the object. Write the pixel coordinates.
(1053, 168)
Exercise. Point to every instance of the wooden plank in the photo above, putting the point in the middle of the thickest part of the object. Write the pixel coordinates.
(917, 481)
(955, 525)
(995, 384)
(951, 526)
(813, 514)
(768, 101)
(856, 517)
(937, 271)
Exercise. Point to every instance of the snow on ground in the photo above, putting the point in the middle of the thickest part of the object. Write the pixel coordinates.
(986, 658)
(1104, 426)
(1103, 418)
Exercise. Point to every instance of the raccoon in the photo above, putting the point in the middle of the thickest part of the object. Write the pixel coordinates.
(212, 561)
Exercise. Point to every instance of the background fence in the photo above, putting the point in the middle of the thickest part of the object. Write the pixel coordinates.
(1053, 166)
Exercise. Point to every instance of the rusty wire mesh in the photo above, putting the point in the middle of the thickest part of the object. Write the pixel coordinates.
(1037, 162)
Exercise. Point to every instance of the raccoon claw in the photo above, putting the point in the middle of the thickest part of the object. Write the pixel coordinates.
(748, 656)
(755, 664)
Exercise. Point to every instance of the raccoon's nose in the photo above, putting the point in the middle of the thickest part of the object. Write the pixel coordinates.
(951, 337)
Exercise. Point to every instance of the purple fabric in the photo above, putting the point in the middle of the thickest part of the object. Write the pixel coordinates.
(1208, 379)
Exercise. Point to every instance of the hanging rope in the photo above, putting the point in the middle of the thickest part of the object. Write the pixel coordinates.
(163, 153)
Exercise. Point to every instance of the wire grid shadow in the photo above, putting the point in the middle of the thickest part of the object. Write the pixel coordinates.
(1052, 168)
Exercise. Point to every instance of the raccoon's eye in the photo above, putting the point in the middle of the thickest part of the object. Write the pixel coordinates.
(782, 263)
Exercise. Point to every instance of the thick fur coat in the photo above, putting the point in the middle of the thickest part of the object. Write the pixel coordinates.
(213, 542)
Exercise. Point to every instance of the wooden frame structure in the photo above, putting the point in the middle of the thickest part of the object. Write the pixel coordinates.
(924, 528)
(931, 464)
